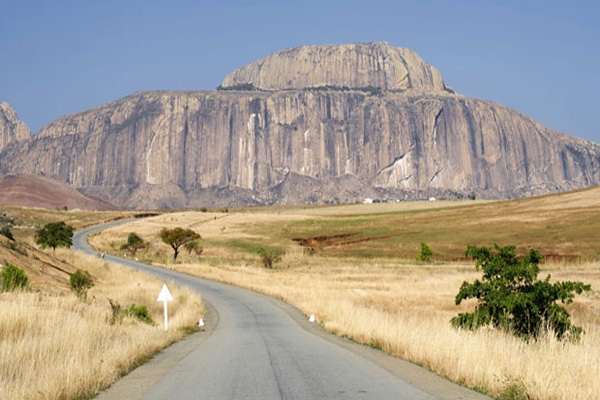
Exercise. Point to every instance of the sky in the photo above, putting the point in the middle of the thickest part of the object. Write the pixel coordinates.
(541, 58)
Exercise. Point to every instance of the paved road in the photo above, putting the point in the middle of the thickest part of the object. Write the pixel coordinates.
(256, 347)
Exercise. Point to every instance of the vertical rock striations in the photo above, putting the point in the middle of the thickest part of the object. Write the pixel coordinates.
(374, 121)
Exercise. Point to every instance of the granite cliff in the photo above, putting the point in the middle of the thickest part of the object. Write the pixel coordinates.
(313, 124)
(11, 129)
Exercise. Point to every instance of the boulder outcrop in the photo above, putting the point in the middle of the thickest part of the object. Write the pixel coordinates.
(11, 129)
(383, 125)
(361, 65)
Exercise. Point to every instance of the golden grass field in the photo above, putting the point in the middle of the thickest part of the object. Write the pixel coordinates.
(55, 346)
(372, 290)
(367, 287)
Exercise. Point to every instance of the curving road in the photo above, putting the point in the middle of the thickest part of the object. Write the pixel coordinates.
(256, 347)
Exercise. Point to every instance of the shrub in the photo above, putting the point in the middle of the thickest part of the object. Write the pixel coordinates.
(6, 232)
(139, 312)
(194, 246)
(14, 278)
(6, 222)
(425, 253)
(81, 282)
(270, 256)
(512, 298)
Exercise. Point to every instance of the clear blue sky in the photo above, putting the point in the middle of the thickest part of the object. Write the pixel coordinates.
(541, 58)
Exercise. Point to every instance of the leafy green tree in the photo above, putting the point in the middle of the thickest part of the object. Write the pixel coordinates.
(512, 298)
(55, 234)
(177, 237)
(81, 282)
(13, 278)
(134, 243)
(425, 253)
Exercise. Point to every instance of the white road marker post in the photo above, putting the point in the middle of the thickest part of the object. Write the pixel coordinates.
(165, 296)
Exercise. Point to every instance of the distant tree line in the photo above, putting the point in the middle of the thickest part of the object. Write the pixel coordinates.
(241, 86)
(370, 90)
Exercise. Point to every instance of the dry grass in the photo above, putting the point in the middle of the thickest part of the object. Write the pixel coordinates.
(58, 347)
(405, 311)
(399, 306)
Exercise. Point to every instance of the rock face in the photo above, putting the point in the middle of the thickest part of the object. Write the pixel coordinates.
(382, 125)
(354, 66)
(11, 129)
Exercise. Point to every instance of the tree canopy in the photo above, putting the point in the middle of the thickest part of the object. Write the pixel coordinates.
(134, 243)
(55, 234)
(512, 298)
(177, 237)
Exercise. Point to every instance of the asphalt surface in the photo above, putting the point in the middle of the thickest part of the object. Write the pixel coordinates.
(257, 347)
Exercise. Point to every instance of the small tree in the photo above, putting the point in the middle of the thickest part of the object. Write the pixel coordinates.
(55, 234)
(134, 243)
(425, 253)
(81, 282)
(13, 278)
(194, 246)
(270, 256)
(512, 298)
(177, 237)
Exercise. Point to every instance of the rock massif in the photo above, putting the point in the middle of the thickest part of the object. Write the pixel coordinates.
(313, 124)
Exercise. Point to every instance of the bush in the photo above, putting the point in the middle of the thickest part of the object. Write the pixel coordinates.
(81, 282)
(6, 222)
(425, 253)
(193, 246)
(270, 256)
(513, 299)
(138, 312)
(14, 278)
(6, 232)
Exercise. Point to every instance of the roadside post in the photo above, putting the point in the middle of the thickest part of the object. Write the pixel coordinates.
(165, 296)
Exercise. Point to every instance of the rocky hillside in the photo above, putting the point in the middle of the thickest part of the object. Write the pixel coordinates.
(313, 124)
(24, 190)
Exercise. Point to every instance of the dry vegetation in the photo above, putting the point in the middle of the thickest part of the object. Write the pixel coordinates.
(369, 289)
(56, 346)
(373, 291)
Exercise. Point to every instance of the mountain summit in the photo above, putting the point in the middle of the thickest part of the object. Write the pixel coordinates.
(314, 124)
(376, 65)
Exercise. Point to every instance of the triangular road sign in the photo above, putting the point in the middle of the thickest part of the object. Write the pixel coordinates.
(165, 295)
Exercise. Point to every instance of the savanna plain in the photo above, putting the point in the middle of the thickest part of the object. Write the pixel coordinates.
(357, 273)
